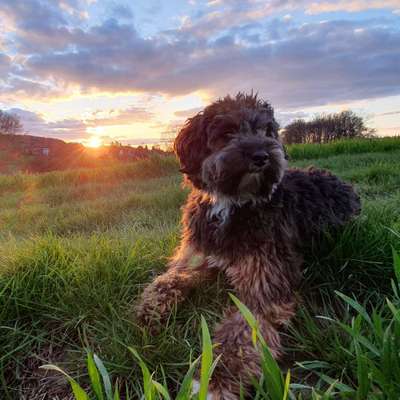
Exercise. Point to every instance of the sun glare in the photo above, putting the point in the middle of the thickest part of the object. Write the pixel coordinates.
(94, 142)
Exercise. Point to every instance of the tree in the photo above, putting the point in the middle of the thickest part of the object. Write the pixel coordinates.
(10, 124)
(325, 128)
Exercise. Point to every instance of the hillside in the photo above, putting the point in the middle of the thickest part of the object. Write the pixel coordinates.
(35, 154)
(78, 246)
(27, 153)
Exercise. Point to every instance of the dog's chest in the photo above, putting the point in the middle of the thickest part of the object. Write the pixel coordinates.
(229, 230)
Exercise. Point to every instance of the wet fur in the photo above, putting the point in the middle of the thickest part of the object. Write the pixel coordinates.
(249, 225)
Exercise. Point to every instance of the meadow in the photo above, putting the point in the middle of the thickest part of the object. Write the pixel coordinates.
(77, 247)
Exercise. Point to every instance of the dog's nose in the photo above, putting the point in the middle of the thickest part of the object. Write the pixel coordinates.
(260, 158)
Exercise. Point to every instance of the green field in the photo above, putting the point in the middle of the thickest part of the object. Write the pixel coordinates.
(77, 248)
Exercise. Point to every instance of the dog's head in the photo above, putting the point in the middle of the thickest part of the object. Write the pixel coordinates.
(232, 148)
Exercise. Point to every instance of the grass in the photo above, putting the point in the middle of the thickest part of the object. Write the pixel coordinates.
(355, 146)
(370, 350)
(77, 248)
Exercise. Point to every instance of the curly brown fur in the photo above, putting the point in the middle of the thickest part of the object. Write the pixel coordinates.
(249, 217)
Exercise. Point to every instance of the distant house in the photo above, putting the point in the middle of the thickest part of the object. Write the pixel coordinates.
(40, 147)
(38, 151)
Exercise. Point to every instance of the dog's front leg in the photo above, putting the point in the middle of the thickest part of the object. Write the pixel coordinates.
(187, 269)
(268, 292)
(240, 360)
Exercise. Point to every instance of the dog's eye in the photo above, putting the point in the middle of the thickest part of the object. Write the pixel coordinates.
(218, 140)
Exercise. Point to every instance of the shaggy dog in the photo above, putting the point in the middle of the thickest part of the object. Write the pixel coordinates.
(249, 217)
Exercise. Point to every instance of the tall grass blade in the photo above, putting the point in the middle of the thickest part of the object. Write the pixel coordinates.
(105, 376)
(250, 319)
(357, 306)
(396, 264)
(186, 386)
(206, 360)
(116, 394)
(162, 390)
(362, 374)
(273, 374)
(361, 339)
(94, 377)
(148, 386)
(395, 311)
(286, 386)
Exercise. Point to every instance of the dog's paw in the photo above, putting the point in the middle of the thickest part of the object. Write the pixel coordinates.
(149, 317)
(157, 302)
(154, 309)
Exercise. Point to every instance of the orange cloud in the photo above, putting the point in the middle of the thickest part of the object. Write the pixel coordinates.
(351, 5)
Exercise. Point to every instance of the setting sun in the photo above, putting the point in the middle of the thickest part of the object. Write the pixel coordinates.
(94, 142)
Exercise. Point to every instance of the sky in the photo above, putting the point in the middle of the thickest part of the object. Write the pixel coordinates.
(133, 71)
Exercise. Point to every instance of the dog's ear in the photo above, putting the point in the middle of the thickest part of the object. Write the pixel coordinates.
(273, 129)
(266, 119)
(191, 147)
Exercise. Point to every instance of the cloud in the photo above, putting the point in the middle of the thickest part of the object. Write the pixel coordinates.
(15, 88)
(351, 5)
(122, 12)
(388, 113)
(225, 14)
(225, 48)
(5, 63)
(307, 65)
(120, 117)
(285, 118)
(42, 25)
(187, 113)
(304, 65)
(74, 129)
(34, 124)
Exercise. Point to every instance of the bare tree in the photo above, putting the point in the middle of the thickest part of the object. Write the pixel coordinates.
(10, 124)
(325, 128)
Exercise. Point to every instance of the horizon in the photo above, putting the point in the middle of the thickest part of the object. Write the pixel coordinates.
(100, 71)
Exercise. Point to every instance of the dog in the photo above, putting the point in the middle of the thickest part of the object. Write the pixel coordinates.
(249, 217)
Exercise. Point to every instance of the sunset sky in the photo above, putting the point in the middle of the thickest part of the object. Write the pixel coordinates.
(132, 71)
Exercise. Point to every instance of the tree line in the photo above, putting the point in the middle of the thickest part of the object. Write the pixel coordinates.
(10, 124)
(326, 128)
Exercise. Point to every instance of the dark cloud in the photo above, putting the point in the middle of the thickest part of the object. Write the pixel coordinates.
(229, 47)
(43, 25)
(13, 87)
(33, 15)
